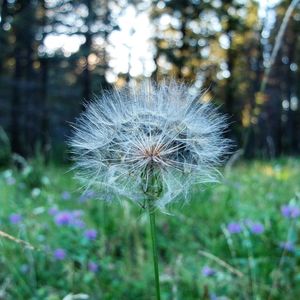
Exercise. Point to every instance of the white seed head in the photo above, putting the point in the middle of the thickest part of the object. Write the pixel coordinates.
(126, 136)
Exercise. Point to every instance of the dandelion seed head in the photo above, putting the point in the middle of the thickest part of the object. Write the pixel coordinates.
(126, 136)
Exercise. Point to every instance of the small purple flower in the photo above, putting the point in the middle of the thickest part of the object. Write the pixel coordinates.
(69, 218)
(234, 227)
(290, 211)
(53, 211)
(208, 272)
(59, 254)
(90, 234)
(77, 223)
(63, 218)
(256, 228)
(15, 218)
(287, 246)
(77, 213)
(295, 212)
(66, 195)
(93, 267)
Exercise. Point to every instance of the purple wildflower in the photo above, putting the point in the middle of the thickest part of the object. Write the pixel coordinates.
(234, 227)
(256, 228)
(63, 218)
(295, 212)
(69, 218)
(90, 234)
(93, 267)
(290, 211)
(77, 213)
(15, 218)
(53, 211)
(208, 272)
(59, 254)
(77, 223)
(287, 246)
(66, 195)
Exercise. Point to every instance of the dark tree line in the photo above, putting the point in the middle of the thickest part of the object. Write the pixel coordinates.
(220, 45)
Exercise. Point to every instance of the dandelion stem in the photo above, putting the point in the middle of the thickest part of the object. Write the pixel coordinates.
(151, 211)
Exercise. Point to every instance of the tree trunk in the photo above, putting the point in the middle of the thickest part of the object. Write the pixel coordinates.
(15, 130)
(86, 76)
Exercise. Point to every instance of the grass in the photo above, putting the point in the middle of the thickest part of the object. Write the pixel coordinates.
(118, 263)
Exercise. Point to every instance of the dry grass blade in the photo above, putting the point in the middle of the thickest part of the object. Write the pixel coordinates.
(7, 236)
(221, 263)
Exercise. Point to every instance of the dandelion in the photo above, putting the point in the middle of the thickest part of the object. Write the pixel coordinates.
(128, 138)
(149, 145)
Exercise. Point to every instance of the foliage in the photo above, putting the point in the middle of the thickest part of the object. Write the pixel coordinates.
(223, 46)
(85, 246)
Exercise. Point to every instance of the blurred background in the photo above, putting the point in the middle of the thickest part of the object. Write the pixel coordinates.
(235, 240)
(55, 54)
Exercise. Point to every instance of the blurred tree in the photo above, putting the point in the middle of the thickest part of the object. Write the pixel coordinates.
(23, 23)
(44, 135)
(3, 27)
(220, 45)
(280, 107)
(179, 25)
(31, 70)
(98, 24)
(208, 42)
(92, 22)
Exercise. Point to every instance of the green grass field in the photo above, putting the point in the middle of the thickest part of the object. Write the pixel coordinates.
(234, 240)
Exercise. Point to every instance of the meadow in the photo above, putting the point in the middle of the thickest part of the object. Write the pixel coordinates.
(234, 240)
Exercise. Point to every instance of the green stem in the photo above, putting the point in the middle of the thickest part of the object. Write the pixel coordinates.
(154, 246)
